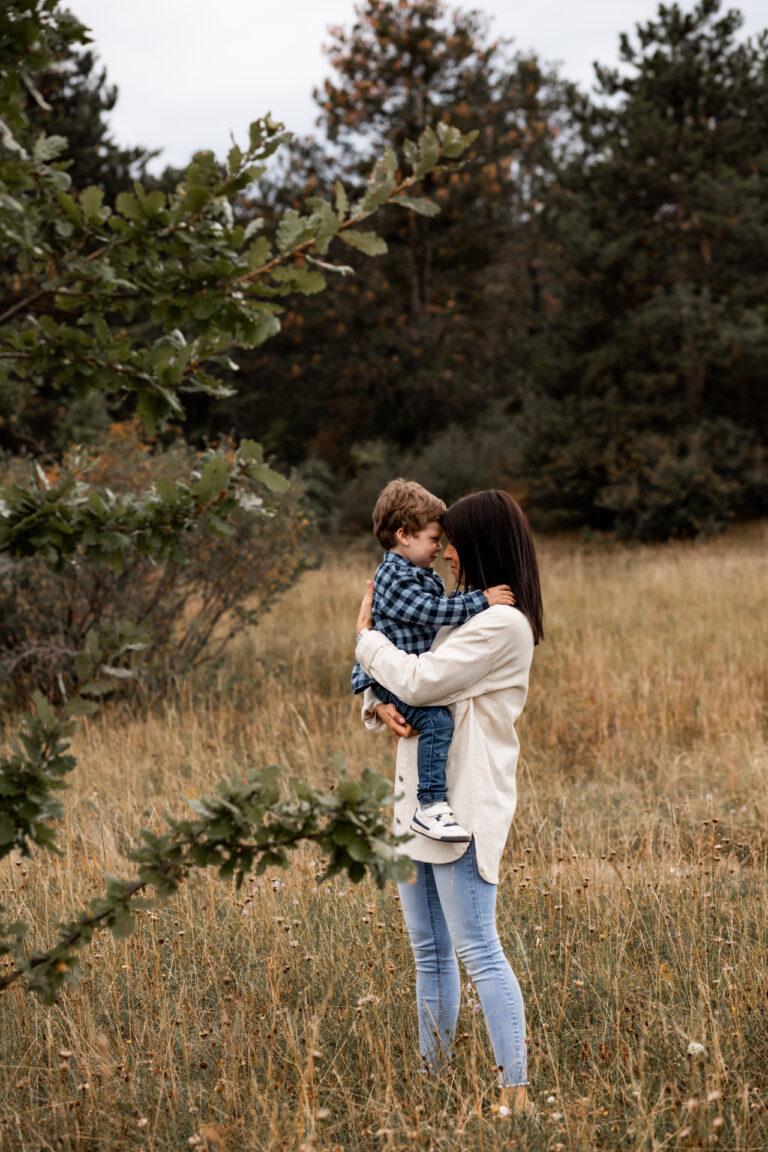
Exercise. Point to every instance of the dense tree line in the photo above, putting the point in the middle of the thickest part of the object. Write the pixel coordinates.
(650, 376)
(432, 335)
(585, 319)
(591, 302)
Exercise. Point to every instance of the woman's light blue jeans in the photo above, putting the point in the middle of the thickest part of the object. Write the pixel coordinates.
(450, 910)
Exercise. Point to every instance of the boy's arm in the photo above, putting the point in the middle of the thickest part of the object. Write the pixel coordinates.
(404, 598)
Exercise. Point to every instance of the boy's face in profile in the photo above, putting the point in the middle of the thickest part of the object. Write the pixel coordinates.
(422, 548)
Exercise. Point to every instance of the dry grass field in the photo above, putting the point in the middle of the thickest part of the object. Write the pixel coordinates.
(633, 901)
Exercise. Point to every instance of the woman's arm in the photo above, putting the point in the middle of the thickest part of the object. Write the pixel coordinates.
(459, 667)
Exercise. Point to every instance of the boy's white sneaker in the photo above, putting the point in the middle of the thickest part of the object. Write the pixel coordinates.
(439, 823)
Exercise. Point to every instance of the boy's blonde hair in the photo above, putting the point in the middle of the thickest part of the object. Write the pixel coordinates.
(403, 504)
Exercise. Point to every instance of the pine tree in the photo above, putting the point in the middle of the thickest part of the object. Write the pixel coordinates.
(653, 368)
(436, 332)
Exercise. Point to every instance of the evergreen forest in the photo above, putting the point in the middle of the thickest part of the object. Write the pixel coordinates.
(576, 311)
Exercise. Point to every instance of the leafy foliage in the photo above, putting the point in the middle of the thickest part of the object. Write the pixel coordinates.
(456, 461)
(77, 99)
(191, 592)
(74, 101)
(141, 300)
(182, 263)
(246, 825)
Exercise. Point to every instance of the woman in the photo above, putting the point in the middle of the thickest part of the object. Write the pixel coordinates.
(480, 670)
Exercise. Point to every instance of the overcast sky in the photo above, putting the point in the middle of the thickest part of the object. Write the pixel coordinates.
(191, 71)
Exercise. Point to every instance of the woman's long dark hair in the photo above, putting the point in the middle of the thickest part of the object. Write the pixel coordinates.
(494, 544)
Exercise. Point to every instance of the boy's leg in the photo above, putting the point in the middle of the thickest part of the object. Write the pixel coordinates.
(435, 728)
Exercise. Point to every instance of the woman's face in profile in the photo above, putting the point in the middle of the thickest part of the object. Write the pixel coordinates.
(451, 556)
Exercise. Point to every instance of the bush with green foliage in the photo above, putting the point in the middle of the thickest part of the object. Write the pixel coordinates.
(457, 461)
(687, 484)
(188, 608)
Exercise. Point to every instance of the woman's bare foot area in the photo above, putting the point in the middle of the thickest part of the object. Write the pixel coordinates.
(516, 1100)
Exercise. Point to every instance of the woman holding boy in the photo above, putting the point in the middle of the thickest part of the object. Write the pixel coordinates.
(480, 671)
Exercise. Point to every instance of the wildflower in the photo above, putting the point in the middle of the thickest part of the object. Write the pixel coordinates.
(696, 1049)
(370, 999)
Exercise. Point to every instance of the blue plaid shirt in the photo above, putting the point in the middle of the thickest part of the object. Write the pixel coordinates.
(410, 606)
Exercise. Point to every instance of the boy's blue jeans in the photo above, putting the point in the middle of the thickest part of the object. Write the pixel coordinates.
(450, 909)
(435, 728)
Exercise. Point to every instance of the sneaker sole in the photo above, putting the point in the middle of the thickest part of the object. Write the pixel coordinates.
(442, 838)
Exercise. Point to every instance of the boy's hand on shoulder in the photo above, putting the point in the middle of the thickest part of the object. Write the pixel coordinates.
(500, 594)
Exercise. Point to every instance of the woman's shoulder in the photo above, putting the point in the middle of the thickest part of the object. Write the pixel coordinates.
(502, 618)
(499, 625)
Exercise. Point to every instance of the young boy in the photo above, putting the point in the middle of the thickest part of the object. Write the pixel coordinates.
(409, 607)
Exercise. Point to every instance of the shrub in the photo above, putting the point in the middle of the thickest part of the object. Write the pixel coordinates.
(191, 607)
(457, 461)
(695, 481)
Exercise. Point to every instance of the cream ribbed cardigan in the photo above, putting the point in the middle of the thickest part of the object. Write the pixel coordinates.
(480, 670)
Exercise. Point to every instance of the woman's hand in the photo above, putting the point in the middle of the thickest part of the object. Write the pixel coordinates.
(389, 715)
(364, 619)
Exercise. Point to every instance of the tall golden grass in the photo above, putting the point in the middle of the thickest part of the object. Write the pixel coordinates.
(633, 902)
